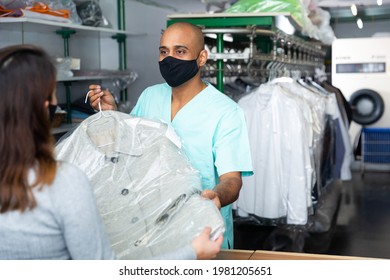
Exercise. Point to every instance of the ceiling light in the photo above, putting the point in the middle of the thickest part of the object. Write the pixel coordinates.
(379, 2)
(354, 9)
(359, 23)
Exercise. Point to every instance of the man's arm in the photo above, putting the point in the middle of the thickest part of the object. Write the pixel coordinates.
(227, 191)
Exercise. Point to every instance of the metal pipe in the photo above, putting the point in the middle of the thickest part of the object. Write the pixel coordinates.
(220, 63)
(121, 39)
(238, 31)
(121, 14)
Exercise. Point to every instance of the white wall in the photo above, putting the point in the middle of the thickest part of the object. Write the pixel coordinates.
(350, 29)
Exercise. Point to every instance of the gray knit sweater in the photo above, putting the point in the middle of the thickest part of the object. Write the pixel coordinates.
(65, 224)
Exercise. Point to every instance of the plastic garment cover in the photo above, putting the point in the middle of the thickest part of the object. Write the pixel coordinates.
(147, 192)
(321, 21)
(279, 141)
(90, 13)
(288, 125)
(312, 20)
(317, 103)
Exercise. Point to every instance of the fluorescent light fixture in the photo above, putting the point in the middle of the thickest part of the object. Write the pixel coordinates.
(226, 37)
(354, 9)
(379, 2)
(283, 23)
(359, 23)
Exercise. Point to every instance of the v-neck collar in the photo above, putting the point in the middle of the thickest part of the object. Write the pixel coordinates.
(188, 104)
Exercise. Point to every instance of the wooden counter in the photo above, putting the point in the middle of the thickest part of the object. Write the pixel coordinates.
(273, 255)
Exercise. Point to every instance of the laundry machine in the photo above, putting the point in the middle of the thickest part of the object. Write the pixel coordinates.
(361, 70)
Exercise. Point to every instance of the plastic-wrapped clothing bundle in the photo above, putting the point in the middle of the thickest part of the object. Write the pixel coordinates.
(147, 192)
(90, 13)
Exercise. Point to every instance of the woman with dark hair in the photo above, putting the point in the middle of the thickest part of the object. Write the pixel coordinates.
(47, 208)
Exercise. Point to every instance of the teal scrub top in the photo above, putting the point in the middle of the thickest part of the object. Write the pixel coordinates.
(213, 134)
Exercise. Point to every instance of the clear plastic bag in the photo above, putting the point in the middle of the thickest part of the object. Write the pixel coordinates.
(65, 4)
(313, 21)
(91, 14)
(63, 66)
(116, 86)
(147, 192)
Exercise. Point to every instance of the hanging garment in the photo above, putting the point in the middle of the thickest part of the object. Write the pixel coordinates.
(278, 139)
(296, 132)
(343, 147)
(147, 191)
(315, 125)
(345, 107)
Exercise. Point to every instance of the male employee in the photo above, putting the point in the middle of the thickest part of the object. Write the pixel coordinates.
(211, 125)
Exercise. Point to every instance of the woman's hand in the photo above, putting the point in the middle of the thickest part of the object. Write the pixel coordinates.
(204, 247)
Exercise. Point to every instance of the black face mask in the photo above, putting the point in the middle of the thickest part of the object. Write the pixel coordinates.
(177, 71)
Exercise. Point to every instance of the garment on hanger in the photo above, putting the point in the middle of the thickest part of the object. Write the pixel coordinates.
(316, 125)
(292, 129)
(280, 186)
(147, 192)
(345, 107)
(342, 140)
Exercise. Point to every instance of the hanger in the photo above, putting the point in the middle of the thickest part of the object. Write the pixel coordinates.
(101, 114)
(100, 109)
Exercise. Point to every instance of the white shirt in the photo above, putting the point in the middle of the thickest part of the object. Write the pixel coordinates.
(278, 139)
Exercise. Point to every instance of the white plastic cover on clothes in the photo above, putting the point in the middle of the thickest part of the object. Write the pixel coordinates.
(286, 125)
(147, 192)
(316, 125)
(312, 20)
(279, 141)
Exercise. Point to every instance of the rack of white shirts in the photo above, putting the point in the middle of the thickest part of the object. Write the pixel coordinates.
(286, 123)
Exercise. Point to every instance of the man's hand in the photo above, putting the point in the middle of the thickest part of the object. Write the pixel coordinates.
(212, 195)
(227, 191)
(96, 95)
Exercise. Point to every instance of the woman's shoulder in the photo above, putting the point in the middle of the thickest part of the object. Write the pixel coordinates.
(66, 168)
(69, 176)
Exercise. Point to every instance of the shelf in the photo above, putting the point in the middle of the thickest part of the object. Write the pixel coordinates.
(50, 31)
(86, 78)
(108, 76)
(47, 25)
